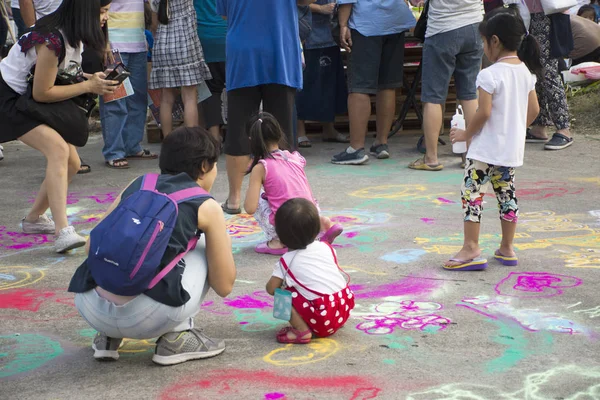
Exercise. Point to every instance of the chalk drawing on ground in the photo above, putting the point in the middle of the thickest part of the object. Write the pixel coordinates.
(26, 352)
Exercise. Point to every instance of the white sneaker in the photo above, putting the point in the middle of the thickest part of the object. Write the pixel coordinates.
(42, 225)
(67, 239)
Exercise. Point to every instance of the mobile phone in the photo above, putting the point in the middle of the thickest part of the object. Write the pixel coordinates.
(118, 73)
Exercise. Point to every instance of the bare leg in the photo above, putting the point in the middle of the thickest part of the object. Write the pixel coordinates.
(167, 99)
(298, 323)
(433, 119)
(359, 109)
(236, 170)
(386, 110)
(540, 131)
(508, 236)
(216, 132)
(54, 189)
(189, 95)
(470, 249)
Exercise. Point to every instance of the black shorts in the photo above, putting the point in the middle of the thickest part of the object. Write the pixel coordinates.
(376, 63)
(243, 103)
(13, 123)
(212, 107)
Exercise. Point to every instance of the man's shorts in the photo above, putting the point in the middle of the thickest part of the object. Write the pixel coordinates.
(376, 63)
(455, 52)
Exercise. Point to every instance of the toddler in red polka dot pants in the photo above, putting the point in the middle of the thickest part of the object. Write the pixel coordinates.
(321, 298)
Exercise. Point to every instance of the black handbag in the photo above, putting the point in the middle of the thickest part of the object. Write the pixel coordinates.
(421, 26)
(68, 117)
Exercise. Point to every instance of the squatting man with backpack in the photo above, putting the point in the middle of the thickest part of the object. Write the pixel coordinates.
(144, 276)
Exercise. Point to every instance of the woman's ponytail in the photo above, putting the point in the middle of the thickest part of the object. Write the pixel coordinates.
(529, 53)
(163, 12)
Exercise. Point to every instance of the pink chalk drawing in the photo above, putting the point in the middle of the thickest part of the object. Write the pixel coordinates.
(257, 300)
(31, 304)
(535, 284)
(211, 307)
(407, 315)
(20, 241)
(445, 201)
(413, 286)
(546, 189)
(532, 320)
(100, 196)
(428, 221)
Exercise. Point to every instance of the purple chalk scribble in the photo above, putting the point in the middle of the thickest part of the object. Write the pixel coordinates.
(413, 286)
(257, 300)
(535, 284)
(428, 221)
(445, 201)
(274, 396)
(407, 315)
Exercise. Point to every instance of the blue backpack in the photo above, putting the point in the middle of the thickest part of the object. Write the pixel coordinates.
(127, 247)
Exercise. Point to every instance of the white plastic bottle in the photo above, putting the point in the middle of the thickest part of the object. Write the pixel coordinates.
(458, 121)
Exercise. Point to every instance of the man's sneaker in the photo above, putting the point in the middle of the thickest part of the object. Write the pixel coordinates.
(42, 225)
(345, 158)
(380, 151)
(106, 348)
(1, 153)
(67, 239)
(558, 142)
(177, 347)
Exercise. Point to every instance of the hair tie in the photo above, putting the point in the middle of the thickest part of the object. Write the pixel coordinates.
(260, 120)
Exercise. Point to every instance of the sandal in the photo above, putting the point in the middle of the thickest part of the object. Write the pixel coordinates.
(339, 138)
(230, 211)
(119, 163)
(263, 248)
(507, 261)
(282, 336)
(144, 155)
(333, 232)
(304, 142)
(474, 264)
(84, 168)
(530, 138)
(420, 165)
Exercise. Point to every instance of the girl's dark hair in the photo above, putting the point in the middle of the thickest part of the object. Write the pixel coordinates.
(147, 15)
(186, 150)
(79, 21)
(588, 8)
(297, 223)
(163, 12)
(506, 23)
(263, 130)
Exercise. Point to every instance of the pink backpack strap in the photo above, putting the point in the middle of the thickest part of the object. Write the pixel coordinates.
(187, 194)
(149, 182)
(336, 261)
(289, 272)
(191, 246)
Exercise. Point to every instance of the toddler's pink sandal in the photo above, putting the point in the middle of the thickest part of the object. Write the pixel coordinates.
(282, 336)
(264, 248)
(332, 233)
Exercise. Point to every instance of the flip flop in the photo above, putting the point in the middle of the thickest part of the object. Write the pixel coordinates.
(304, 142)
(420, 165)
(84, 168)
(113, 163)
(282, 336)
(230, 211)
(511, 261)
(339, 138)
(144, 155)
(474, 264)
(263, 248)
(333, 232)
(529, 138)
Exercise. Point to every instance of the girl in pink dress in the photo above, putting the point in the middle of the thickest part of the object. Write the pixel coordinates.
(276, 176)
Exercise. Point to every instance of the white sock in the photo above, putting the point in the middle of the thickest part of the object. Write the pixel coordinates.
(350, 150)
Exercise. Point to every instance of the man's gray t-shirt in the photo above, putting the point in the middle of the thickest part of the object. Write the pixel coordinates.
(447, 15)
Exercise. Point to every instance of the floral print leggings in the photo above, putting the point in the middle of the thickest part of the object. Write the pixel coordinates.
(478, 176)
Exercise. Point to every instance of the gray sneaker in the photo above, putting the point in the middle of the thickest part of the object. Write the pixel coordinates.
(345, 158)
(177, 347)
(42, 225)
(67, 239)
(106, 348)
(381, 151)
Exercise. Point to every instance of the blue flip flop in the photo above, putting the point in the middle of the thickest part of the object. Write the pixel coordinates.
(474, 264)
(511, 261)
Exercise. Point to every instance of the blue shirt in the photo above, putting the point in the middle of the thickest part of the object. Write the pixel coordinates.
(380, 17)
(320, 36)
(212, 30)
(263, 44)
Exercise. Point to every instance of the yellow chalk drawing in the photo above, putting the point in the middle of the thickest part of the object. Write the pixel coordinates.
(356, 269)
(595, 180)
(589, 259)
(19, 276)
(292, 355)
(134, 346)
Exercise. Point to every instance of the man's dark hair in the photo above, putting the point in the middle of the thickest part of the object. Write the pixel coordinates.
(186, 150)
(79, 20)
(297, 223)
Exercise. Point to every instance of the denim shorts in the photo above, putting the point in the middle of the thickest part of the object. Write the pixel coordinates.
(143, 317)
(376, 63)
(457, 52)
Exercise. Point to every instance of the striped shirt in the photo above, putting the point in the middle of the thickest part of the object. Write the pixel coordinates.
(126, 26)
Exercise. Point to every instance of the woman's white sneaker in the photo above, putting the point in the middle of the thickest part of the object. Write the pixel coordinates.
(67, 239)
(42, 225)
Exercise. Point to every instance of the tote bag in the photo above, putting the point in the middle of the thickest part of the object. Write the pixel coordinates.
(557, 6)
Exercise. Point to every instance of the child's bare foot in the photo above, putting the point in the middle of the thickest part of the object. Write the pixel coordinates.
(507, 251)
(464, 255)
(275, 244)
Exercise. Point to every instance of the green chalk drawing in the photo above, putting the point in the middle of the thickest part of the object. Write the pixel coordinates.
(25, 353)
(389, 361)
(518, 346)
